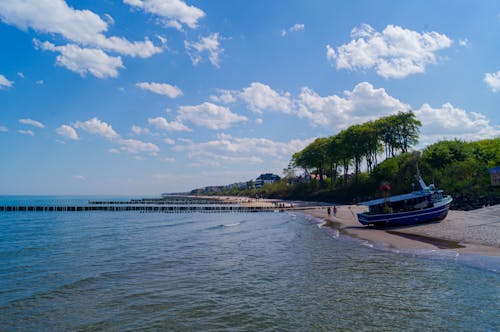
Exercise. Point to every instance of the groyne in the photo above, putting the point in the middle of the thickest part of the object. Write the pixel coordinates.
(141, 208)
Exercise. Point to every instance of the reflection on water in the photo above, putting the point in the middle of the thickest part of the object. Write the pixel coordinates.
(255, 272)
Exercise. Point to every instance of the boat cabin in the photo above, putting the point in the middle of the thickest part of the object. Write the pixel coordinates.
(414, 201)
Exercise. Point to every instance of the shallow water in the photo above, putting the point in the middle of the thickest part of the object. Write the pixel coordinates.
(225, 272)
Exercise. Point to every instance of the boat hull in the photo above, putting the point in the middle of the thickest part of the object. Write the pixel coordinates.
(405, 218)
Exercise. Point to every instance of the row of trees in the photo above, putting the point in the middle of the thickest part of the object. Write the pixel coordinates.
(362, 142)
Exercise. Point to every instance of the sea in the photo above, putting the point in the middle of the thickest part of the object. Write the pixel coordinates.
(132, 271)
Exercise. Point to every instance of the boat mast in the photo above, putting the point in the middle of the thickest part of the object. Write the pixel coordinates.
(420, 180)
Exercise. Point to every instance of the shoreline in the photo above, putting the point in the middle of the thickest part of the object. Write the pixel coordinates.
(474, 232)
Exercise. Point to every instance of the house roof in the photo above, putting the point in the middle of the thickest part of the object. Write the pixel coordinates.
(268, 176)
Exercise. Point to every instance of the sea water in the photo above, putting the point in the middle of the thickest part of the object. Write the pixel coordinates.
(129, 271)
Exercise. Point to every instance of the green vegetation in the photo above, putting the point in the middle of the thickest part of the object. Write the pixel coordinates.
(336, 165)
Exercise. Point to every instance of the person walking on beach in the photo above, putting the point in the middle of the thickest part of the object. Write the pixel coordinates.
(329, 211)
(334, 210)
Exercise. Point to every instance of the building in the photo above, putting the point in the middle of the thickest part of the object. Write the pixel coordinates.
(265, 179)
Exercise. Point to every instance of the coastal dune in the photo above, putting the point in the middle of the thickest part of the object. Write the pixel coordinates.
(471, 232)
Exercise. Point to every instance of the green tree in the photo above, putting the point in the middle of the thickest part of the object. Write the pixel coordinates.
(313, 156)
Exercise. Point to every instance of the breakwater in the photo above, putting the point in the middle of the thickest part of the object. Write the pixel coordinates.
(141, 208)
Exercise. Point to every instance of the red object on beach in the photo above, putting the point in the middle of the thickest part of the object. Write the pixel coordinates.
(385, 187)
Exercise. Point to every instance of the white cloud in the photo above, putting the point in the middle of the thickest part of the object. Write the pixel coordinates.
(330, 53)
(84, 60)
(296, 27)
(225, 96)
(169, 141)
(362, 104)
(258, 97)
(493, 81)
(136, 130)
(261, 97)
(161, 89)
(394, 53)
(449, 122)
(79, 177)
(162, 123)
(209, 115)
(175, 12)
(209, 44)
(67, 131)
(20, 74)
(26, 132)
(168, 160)
(40, 82)
(97, 127)
(5, 83)
(109, 19)
(31, 122)
(464, 42)
(228, 149)
(136, 146)
(79, 26)
(3, 129)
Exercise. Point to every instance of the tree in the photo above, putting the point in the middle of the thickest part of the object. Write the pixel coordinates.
(313, 156)
(398, 132)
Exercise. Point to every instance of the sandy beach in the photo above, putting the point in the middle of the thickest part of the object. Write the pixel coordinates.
(466, 232)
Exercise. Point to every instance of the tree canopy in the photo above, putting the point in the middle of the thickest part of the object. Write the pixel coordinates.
(361, 142)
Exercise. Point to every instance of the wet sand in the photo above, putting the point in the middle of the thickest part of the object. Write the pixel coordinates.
(465, 232)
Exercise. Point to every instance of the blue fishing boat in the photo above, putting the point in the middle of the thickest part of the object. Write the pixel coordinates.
(424, 205)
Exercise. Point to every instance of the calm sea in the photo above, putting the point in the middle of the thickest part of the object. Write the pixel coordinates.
(93, 271)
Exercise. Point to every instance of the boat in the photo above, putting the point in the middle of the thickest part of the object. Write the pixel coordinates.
(425, 205)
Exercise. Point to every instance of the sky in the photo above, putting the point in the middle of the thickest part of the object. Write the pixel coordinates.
(141, 97)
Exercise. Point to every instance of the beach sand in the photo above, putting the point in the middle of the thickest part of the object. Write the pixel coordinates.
(465, 232)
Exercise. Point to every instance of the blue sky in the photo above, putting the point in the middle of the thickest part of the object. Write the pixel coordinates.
(140, 97)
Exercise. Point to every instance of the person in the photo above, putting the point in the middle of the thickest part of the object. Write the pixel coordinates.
(329, 211)
(334, 210)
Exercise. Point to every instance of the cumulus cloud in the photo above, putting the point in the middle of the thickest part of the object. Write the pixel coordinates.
(169, 141)
(83, 29)
(5, 83)
(206, 45)
(228, 149)
(258, 97)
(67, 132)
(136, 146)
(261, 97)
(362, 104)
(175, 12)
(162, 123)
(493, 81)
(136, 130)
(224, 96)
(394, 53)
(97, 127)
(296, 27)
(84, 60)
(209, 115)
(78, 26)
(31, 122)
(450, 122)
(161, 89)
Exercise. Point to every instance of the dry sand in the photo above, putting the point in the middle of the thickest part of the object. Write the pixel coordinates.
(471, 232)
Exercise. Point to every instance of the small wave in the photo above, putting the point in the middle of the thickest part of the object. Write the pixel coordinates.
(220, 226)
(231, 225)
